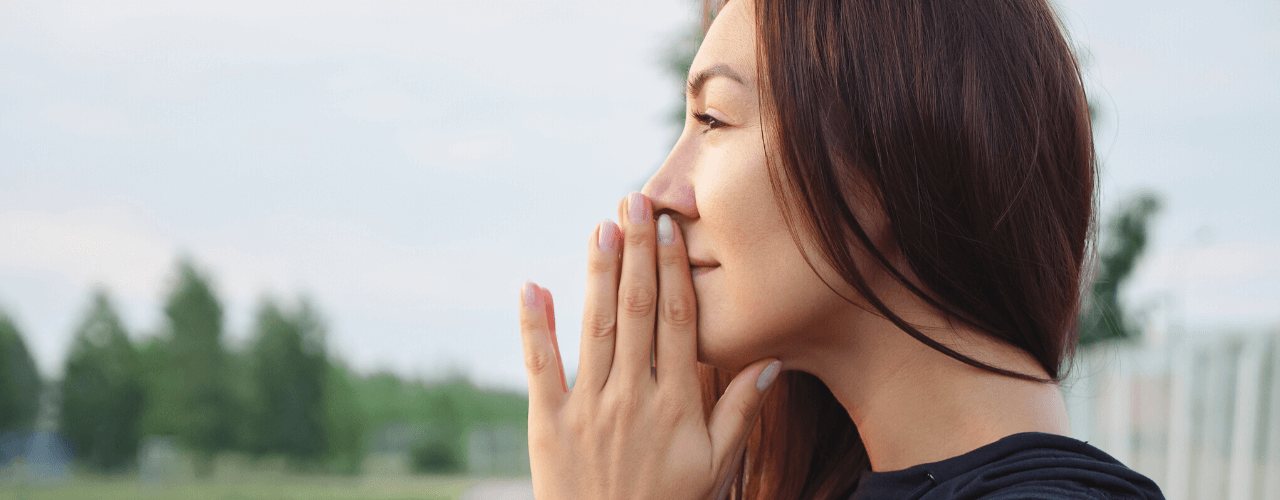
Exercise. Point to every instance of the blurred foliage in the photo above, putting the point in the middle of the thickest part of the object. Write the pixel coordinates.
(677, 57)
(345, 421)
(280, 396)
(388, 400)
(160, 416)
(442, 450)
(202, 409)
(1123, 242)
(19, 380)
(287, 359)
(436, 455)
(439, 416)
(102, 391)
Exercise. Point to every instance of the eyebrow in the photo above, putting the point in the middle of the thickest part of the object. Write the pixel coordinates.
(695, 84)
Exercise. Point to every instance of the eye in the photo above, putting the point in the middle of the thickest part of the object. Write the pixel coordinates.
(708, 120)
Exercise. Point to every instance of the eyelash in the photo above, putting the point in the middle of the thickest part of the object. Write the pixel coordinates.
(708, 120)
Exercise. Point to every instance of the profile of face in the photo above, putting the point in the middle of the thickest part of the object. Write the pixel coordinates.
(756, 295)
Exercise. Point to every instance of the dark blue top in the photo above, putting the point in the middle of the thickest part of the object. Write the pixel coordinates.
(1026, 466)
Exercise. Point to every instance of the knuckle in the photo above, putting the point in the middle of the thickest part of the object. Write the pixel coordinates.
(600, 324)
(744, 411)
(530, 324)
(624, 407)
(679, 310)
(578, 425)
(538, 361)
(638, 237)
(600, 265)
(638, 300)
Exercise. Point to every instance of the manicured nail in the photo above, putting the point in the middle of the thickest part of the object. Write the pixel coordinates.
(768, 375)
(666, 234)
(532, 299)
(607, 237)
(638, 210)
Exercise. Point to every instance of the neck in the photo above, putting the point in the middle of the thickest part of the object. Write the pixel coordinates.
(914, 405)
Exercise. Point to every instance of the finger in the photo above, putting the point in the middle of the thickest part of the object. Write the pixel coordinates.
(677, 337)
(735, 414)
(545, 387)
(551, 325)
(637, 294)
(599, 317)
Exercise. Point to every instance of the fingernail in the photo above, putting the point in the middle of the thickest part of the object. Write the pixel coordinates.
(607, 238)
(532, 299)
(768, 375)
(638, 211)
(666, 234)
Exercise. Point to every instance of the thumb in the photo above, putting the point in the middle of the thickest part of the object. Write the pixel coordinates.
(735, 413)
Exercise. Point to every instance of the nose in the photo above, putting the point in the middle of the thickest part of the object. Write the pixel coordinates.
(671, 187)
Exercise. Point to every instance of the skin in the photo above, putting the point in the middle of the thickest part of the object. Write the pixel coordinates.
(629, 431)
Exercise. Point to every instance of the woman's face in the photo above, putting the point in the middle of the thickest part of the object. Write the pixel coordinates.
(758, 297)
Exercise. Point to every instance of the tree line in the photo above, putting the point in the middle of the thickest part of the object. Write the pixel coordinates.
(282, 394)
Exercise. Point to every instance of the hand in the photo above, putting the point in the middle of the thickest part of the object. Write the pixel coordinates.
(632, 428)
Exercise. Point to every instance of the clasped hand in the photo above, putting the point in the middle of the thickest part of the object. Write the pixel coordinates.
(634, 425)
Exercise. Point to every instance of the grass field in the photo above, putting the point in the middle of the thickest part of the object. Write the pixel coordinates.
(386, 476)
(283, 488)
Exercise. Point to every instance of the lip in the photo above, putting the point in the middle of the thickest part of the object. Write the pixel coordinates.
(701, 270)
(694, 262)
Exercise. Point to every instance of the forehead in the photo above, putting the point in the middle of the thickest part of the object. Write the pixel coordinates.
(731, 41)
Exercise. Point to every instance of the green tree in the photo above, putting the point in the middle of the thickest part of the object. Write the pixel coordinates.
(243, 397)
(19, 380)
(345, 421)
(438, 454)
(162, 415)
(1123, 243)
(289, 377)
(102, 393)
(201, 404)
(443, 450)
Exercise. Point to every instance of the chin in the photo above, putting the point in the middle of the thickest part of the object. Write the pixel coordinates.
(720, 348)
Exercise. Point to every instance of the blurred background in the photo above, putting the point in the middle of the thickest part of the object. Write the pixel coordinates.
(274, 251)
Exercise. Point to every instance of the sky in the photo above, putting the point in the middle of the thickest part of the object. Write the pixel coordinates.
(407, 165)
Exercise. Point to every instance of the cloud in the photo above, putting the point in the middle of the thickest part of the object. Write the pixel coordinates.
(85, 247)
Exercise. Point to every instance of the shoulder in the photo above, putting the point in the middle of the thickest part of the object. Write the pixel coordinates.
(1028, 466)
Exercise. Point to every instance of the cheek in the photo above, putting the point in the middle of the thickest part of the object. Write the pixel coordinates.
(762, 298)
(758, 305)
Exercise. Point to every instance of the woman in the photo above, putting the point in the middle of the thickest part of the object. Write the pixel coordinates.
(888, 202)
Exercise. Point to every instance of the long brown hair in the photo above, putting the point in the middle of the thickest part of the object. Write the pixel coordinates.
(966, 120)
